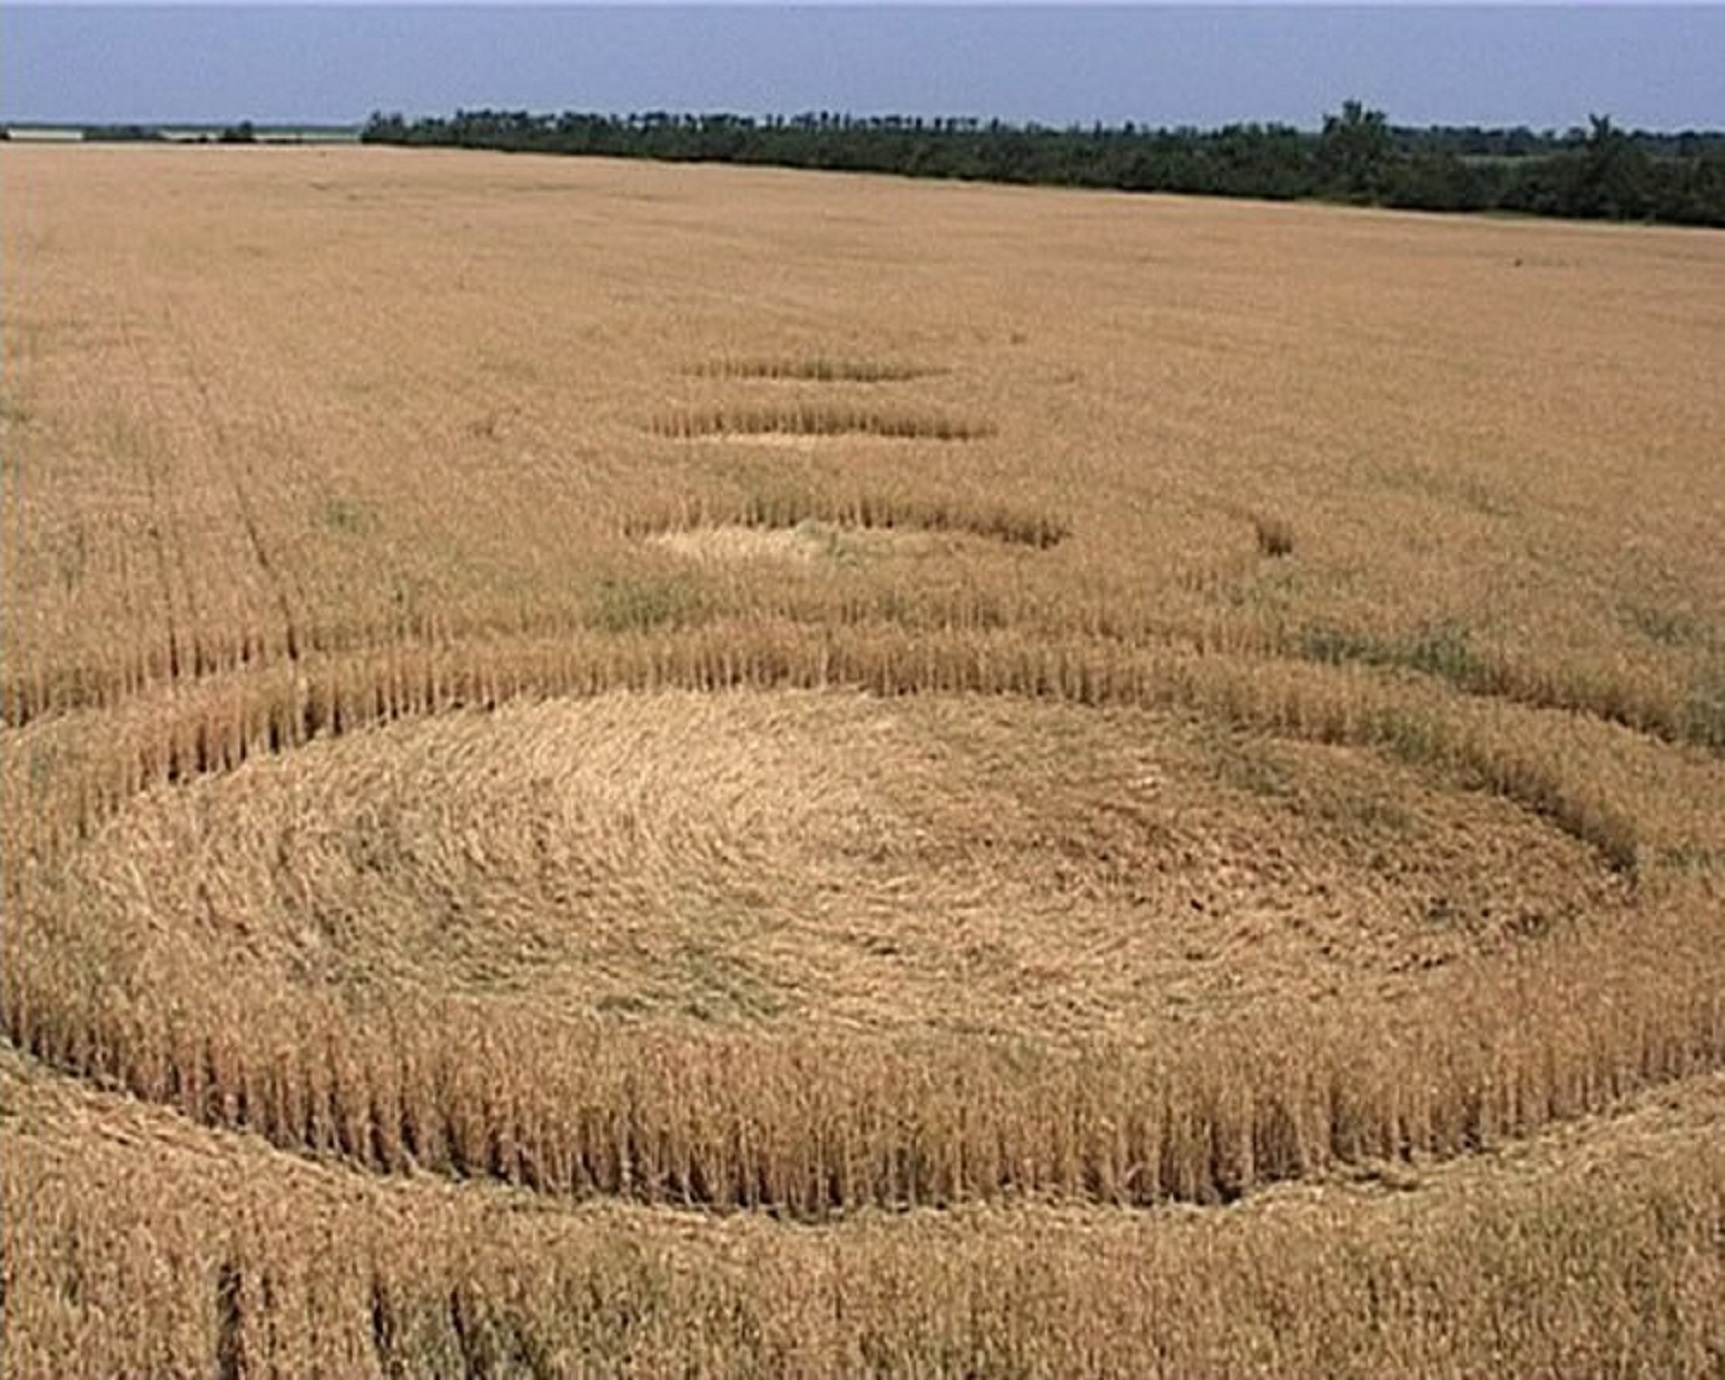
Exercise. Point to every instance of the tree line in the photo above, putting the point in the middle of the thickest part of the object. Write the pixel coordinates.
(1600, 172)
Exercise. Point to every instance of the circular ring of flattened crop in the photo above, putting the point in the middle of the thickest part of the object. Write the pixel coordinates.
(752, 947)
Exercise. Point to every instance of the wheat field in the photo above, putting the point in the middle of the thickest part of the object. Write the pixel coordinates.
(614, 769)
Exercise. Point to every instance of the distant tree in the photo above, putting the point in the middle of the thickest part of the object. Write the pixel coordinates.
(381, 128)
(1439, 182)
(242, 133)
(1354, 151)
(1613, 177)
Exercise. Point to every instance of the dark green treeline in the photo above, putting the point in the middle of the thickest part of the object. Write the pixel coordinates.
(1598, 173)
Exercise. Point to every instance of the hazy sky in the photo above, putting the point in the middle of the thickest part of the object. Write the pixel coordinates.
(1545, 66)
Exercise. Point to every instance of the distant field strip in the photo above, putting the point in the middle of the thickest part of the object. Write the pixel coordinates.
(813, 368)
(878, 511)
(828, 419)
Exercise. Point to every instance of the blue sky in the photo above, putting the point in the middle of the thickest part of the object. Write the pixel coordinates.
(1546, 66)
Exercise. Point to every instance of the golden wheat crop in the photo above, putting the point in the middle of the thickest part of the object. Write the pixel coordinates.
(627, 769)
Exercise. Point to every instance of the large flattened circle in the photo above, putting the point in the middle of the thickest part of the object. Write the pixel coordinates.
(830, 860)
